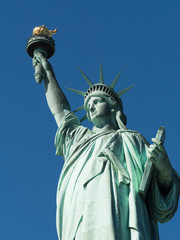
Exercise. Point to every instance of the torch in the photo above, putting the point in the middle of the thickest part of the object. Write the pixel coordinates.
(41, 41)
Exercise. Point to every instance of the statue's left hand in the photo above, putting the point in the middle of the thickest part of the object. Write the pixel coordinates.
(158, 155)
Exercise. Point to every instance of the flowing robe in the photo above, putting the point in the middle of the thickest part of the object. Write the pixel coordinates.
(97, 194)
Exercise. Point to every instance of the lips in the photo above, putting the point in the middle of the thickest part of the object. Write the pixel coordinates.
(92, 114)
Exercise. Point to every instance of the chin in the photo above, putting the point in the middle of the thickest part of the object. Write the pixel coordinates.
(93, 117)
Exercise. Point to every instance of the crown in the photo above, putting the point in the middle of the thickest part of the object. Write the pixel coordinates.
(99, 89)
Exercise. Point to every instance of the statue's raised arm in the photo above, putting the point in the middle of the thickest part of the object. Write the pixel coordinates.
(40, 46)
(56, 99)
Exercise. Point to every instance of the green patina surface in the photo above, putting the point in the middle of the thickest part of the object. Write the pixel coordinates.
(97, 195)
(98, 190)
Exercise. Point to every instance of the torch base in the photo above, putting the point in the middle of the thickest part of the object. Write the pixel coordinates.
(40, 41)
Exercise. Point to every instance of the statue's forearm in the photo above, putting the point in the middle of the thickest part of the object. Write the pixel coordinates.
(56, 99)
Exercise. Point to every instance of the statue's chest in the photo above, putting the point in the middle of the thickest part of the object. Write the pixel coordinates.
(112, 142)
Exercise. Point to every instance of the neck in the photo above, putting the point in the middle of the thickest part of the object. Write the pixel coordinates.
(102, 125)
(106, 128)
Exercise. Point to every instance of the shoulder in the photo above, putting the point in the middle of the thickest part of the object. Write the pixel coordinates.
(71, 128)
(69, 133)
(134, 135)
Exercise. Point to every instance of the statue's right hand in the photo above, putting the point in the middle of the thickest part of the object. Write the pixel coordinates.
(40, 65)
(40, 59)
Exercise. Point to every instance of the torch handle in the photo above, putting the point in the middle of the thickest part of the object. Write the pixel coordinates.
(38, 68)
(38, 75)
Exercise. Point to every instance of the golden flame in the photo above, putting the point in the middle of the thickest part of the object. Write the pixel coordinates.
(42, 30)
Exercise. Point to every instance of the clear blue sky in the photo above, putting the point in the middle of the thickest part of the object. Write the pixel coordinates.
(141, 38)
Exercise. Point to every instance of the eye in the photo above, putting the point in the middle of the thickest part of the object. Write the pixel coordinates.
(98, 101)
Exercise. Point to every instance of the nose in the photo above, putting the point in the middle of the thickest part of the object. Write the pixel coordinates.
(91, 107)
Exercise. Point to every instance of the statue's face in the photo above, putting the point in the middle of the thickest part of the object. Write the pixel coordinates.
(99, 110)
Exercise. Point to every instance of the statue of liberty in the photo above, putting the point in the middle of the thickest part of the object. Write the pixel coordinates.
(98, 190)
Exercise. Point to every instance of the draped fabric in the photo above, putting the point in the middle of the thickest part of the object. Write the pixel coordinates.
(97, 193)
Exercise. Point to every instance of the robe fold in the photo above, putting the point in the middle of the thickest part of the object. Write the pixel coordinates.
(97, 193)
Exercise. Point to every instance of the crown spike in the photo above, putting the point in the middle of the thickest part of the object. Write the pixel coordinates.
(83, 118)
(79, 108)
(101, 79)
(124, 90)
(115, 80)
(86, 78)
(77, 91)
